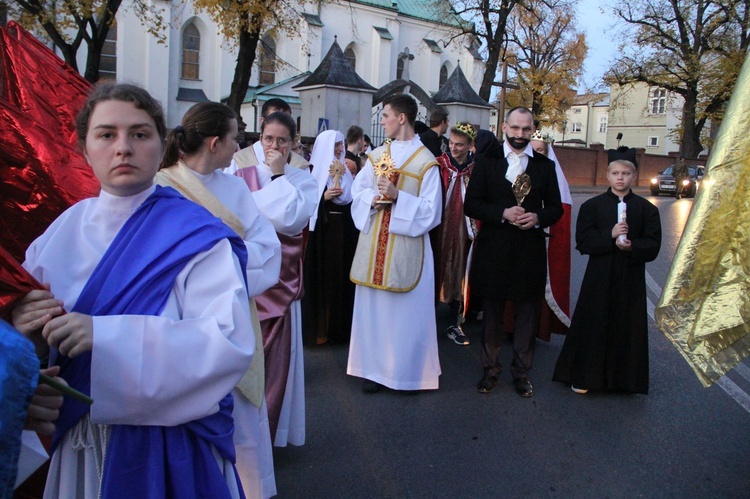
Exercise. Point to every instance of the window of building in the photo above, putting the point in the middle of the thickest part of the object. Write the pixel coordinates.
(653, 141)
(577, 110)
(191, 48)
(602, 124)
(351, 56)
(267, 60)
(658, 101)
(108, 58)
(443, 75)
(576, 127)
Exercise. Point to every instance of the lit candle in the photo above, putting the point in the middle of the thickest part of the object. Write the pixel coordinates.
(622, 216)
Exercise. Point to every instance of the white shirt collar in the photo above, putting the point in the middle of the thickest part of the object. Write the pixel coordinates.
(528, 151)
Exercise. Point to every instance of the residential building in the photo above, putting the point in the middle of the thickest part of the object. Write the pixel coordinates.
(586, 122)
(647, 117)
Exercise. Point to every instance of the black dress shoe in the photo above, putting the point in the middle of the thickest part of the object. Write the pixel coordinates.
(370, 386)
(487, 383)
(523, 387)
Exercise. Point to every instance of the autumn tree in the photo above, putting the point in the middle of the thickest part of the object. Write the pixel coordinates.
(71, 24)
(243, 22)
(487, 23)
(547, 55)
(692, 48)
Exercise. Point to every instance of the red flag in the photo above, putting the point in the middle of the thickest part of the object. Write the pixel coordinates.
(39, 179)
(41, 171)
(40, 84)
(15, 282)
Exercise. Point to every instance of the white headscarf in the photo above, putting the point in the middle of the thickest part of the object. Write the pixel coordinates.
(321, 158)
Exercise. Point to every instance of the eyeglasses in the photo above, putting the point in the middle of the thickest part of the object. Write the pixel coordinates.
(281, 141)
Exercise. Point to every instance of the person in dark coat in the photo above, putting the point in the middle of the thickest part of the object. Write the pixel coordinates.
(510, 254)
(607, 344)
(433, 138)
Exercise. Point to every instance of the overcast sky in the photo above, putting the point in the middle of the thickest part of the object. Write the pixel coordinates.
(598, 28)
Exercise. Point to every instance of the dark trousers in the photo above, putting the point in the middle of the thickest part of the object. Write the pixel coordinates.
(524, 336)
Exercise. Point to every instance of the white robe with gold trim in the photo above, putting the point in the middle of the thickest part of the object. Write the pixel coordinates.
(394, 335)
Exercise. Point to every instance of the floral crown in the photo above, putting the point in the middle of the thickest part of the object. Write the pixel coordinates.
(466, 129)
(538, 136)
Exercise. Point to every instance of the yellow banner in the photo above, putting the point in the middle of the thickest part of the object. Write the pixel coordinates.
(705, 307)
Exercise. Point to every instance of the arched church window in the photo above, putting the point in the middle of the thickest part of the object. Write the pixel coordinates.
(443, 75)
(267, 61)
(351, 56)
(191, 48)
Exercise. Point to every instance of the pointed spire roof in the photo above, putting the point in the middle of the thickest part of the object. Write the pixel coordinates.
(335, 70)
(457, 89)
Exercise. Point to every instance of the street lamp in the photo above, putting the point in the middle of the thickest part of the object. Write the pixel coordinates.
(565, 125)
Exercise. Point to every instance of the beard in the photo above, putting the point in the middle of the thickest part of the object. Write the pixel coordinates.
(517, 143)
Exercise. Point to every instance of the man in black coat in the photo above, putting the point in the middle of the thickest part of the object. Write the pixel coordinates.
(510, 252)
(433, 138)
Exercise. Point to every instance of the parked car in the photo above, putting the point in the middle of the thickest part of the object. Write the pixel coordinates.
(664, 182)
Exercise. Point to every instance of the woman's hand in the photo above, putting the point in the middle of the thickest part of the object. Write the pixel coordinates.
(34, 310)
(331, 193)
(71, 334)
(45, 405)
(275, 161)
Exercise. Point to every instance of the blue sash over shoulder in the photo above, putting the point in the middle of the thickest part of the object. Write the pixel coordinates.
(135, 277)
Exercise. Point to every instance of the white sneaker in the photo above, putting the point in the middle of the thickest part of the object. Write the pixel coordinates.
(579, 390)
(457, 335)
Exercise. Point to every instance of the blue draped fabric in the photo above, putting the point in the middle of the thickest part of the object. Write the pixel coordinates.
(135, 277)
(19, 369)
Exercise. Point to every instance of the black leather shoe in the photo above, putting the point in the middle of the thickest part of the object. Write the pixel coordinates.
(487, 383)
(524, 387)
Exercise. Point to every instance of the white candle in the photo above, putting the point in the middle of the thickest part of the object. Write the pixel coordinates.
(622, 216)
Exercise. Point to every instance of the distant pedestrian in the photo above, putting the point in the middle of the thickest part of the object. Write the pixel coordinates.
(433, 138)
(607, 344)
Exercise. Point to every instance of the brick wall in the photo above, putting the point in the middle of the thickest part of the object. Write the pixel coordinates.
(588, 167)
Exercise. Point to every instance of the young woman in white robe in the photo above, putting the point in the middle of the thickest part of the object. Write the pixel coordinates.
(146, 371)
(196, 153)
(287, 197)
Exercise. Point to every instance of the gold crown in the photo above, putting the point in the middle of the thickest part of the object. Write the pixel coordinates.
(466, 129)
(538, 136)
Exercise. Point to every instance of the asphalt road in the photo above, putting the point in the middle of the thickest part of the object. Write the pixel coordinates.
(680, 440)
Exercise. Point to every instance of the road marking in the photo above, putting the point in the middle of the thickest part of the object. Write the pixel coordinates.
(734, 391)
(743, 370)
(726, 384)
(653, 285)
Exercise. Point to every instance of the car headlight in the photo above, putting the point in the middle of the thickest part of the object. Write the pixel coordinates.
(686, 182)
(654, 180)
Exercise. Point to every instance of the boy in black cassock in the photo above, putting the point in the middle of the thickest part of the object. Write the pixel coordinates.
(607, 345)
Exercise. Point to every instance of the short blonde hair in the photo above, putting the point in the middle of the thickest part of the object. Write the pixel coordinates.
(622, 162)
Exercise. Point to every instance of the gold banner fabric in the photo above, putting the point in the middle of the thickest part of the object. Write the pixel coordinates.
(705, 307)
